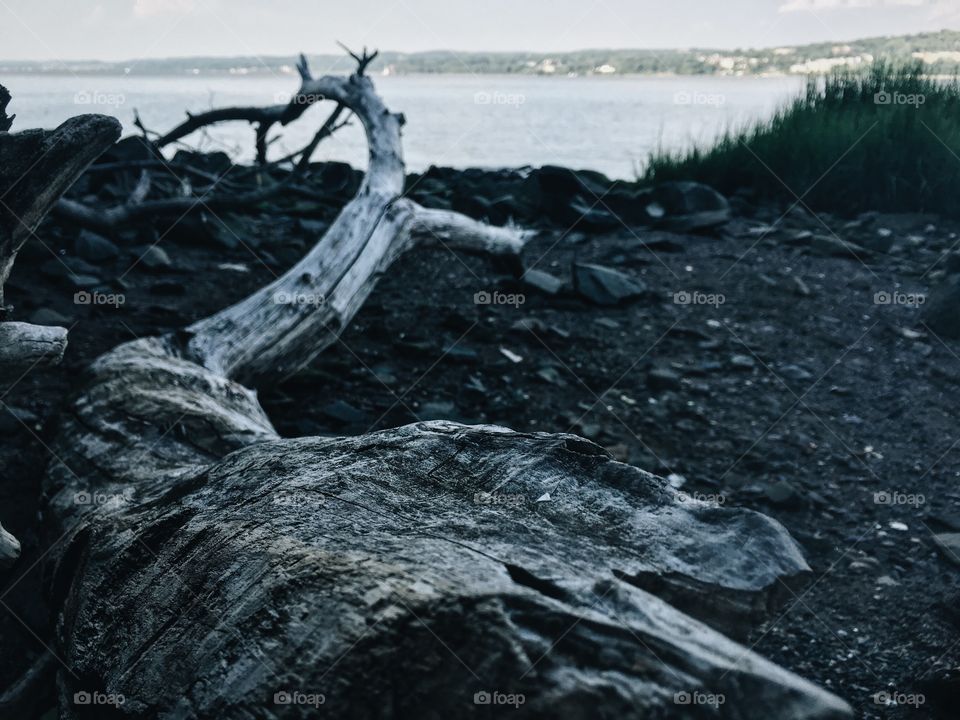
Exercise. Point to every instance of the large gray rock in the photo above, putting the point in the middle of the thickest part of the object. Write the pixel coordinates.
(688, 206)
(400, 574)
(605, 286)
(95, 248)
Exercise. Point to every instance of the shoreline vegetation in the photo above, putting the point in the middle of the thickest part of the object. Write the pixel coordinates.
(938, 52)
(885, 138)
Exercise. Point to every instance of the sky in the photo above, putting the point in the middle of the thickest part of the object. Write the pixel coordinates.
(128, 29)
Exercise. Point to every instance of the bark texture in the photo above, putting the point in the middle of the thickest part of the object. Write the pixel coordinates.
(398, 574)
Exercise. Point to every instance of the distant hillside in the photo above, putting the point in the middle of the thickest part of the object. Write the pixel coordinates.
(940, 51)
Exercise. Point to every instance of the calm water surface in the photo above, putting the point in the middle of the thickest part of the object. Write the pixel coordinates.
(610, 124)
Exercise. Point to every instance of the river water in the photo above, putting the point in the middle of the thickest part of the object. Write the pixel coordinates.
(610, 124)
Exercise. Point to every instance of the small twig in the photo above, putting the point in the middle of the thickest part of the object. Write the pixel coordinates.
(303, 67)
(328, 128)
(363, 60)
(143, 128)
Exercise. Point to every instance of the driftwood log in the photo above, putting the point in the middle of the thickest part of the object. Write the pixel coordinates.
(203, 567)
(36, 167)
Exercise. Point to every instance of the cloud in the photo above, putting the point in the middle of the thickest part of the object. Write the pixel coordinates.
(149, 8)
(800, 5)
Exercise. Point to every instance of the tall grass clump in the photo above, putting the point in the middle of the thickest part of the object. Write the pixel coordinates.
(884, 138)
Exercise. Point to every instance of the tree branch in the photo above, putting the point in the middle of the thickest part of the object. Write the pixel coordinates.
(285, 325)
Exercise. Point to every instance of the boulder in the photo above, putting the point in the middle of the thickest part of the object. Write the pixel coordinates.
(605, 286)
(564, 182)
(570, 197)
(688, 206)
(95, 248)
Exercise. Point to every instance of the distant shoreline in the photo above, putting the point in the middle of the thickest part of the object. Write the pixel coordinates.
(378, 76)
(938, 53)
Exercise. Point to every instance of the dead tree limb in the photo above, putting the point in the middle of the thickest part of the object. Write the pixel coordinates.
(24, 346)
(261, 337)
(262, 118)
(210, 569)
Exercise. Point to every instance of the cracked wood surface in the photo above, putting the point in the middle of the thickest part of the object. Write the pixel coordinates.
(399, 573)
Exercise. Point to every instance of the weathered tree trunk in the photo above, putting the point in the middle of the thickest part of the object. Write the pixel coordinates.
(36, 167)
(206, 568)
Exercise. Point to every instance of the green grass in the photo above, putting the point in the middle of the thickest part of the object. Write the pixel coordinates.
(841, 150)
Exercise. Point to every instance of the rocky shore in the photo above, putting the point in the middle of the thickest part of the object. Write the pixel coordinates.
(757, 356)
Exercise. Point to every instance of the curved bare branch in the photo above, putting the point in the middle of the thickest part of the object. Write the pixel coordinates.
(285, 325)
